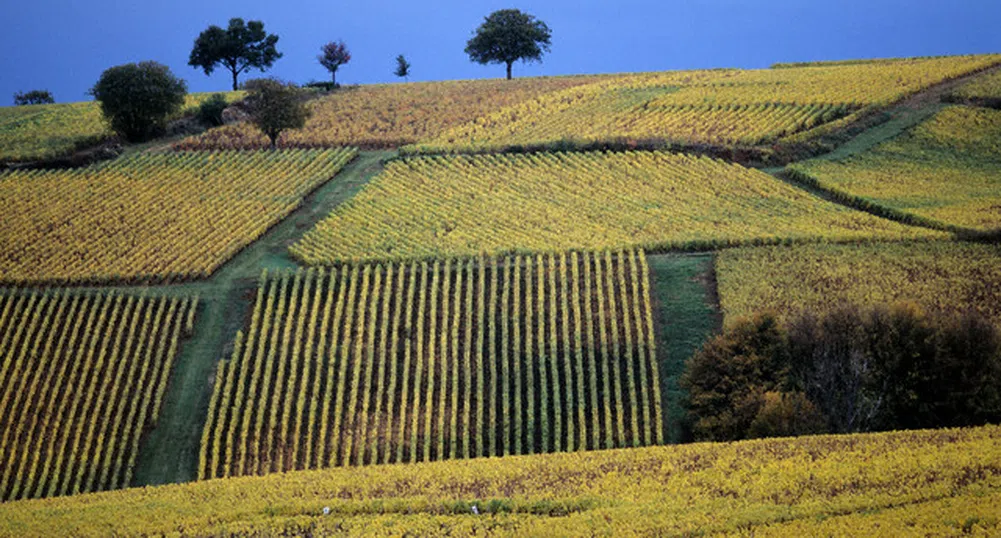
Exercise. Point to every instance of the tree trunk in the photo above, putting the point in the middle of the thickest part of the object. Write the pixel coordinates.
(509, 70)
(235, 87)
(333, 78)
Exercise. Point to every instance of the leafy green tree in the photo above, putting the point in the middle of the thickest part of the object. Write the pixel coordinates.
(138, 99)
(402, 67)
(333, 55)
(509, 35)
(276, 106)
(34, 97)
(239, 47)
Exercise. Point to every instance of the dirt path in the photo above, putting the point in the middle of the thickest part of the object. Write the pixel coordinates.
(169, 452)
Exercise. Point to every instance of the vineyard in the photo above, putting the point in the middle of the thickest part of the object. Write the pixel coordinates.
(912, 483)
(150, 216)
(945, 277)
(82, 378)
(424, 362)
(36, 132)
(440, 207)
(389, 115)
(723, 107)
(946, 172)
(984, 90)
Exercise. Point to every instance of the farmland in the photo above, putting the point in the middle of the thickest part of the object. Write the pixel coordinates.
(389, 115)
(946, 172)
(462, 206)
(82, 378)
(983, 90)
(924, 482)
(38, 132)
(723, 107)
(468, 307)
(153, 216)
(438, 361)
(945, 277)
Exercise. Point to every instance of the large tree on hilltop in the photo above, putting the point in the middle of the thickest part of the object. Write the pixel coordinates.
(509, 35)
(239, 47)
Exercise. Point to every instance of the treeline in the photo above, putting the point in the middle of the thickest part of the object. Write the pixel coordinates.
(851, 369)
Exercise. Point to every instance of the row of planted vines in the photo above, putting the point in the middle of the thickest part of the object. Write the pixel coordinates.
(429, 361)
(82, 378)
(150, 216)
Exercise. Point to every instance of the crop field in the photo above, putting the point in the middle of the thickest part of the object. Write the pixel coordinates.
(36, 132)
(985, 90)
(151, 216)
(389, 115)
(723, 107)
(946, 172)
(82, 378)
(939, 276)
(424, 362)
(462, 206)
(918, 482)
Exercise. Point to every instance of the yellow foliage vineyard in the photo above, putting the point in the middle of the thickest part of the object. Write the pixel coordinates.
(37, 132)
(722, 107)
(461, 206)
(159, 216)
(425, 362)
(984, 89)
(939, 276)
(945, 172)
(82, 378)
(389, 115)
(925, 482)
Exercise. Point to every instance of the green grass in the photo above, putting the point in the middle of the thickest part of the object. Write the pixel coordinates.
(685, 314)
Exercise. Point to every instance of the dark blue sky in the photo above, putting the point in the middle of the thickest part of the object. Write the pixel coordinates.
(63, 45)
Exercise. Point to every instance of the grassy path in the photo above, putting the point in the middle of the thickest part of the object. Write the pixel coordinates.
(169, 452)
(686, 312)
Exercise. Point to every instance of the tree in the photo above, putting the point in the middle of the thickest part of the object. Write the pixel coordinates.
(275, 106)
(509, 35)
(334, 55)
(34, 97)
(237, 48)
(138, 99)
(402, 67)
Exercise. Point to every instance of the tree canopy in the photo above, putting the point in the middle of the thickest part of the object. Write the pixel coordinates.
(332, 56)
(34, 97)
(138, 99)
(239, 47)
(402, 67)
(275, 106)
(509, 35)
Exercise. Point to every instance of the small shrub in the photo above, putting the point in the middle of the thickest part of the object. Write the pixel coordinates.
(210, 111)
(784, 414)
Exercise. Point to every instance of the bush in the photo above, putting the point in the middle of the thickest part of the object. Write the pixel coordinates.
(210, 111)
(849, 370)
(34, 97)
(137, 99)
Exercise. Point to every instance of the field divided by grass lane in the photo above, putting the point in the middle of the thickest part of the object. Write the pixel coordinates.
(82, 378)
(405, 363)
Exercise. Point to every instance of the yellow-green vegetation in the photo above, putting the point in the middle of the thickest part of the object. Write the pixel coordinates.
(459, 206)
(946, 172)
(37, 132)
(150, 216)
(811, 484)
(939, 276)
(389, 115)
(984, 89)
(82, 378)
(438, 361)
(723, 107)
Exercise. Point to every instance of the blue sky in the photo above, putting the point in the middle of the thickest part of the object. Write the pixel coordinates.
(63, 45)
